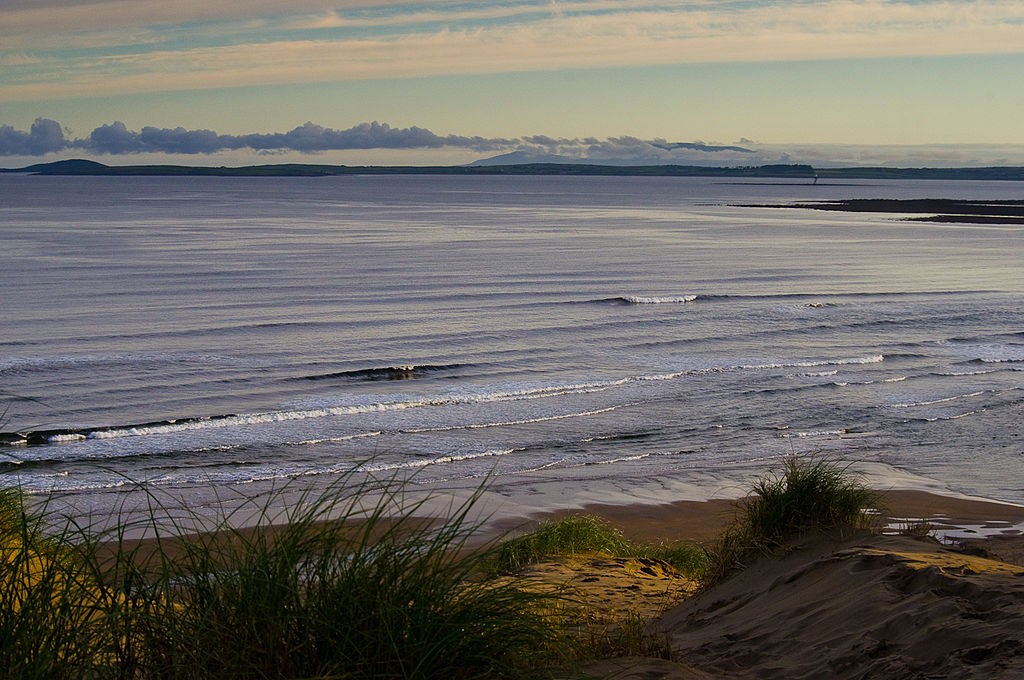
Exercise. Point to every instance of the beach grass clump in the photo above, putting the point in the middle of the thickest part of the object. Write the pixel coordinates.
(52, 622)
(580, 534)
(803, 496)
(391, 598)
(572, 535)
(340, 587)
(688, 558)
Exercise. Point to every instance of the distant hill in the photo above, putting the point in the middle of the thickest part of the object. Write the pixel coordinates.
(782, 171)
(84, 167)
(989, 173)
(75, 166)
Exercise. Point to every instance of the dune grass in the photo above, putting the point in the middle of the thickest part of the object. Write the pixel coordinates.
(590, 631)
(582, 534)
(572, 535)
(804, 495)
(368, 594)
(51, 609)
(350, 583)
(587, 534)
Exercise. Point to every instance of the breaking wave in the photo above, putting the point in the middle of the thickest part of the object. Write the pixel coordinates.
(514, 392)
(642, 300)
(401, 372)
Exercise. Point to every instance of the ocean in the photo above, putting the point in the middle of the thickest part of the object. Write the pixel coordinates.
(225, 335)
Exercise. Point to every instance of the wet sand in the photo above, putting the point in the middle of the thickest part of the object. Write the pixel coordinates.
(951, 519)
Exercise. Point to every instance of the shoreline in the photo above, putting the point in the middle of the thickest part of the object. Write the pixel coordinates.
(996, 528)
(697, 502)
(951, 519)
(658, 508)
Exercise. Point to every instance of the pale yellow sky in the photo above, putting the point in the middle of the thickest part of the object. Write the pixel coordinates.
(869, 72)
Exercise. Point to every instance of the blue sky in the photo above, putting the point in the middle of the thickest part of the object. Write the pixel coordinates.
(232, 81)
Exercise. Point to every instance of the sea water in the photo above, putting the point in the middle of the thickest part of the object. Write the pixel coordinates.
(234, 333)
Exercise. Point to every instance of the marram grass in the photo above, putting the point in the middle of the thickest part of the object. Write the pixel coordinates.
(584, 534)
(53, 611)
(368, 594)
(342, 589)
(805, 495)
(572, 535)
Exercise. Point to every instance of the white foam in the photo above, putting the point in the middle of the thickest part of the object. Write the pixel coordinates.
(522, 421)
(58, 438)
(872, 359)
(345, 438)
(943, 400)
(951, 374)
(486, 395)
(440, 460)
(958, 416)
(815, 433)
(622, 459)
(677, 299)
(51, 483)
(845, 383)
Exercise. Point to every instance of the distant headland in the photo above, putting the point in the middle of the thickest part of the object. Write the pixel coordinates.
(778, 171)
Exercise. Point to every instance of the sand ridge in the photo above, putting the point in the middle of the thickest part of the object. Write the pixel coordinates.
(873, 606)
(866, 605)
(870, 605)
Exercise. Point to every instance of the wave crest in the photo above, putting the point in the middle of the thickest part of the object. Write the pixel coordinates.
(398, 372)
(647, 300)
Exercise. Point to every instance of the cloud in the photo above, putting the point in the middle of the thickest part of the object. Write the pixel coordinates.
(629, 150)
(23, 16)
(46, 136)
(313, 138)
(308, 41)
(116, 139)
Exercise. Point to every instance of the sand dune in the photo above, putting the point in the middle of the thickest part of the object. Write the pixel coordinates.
(860, 606)
(878, 607)
(868, 607)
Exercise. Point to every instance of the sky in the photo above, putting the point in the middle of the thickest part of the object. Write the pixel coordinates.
(738, 82)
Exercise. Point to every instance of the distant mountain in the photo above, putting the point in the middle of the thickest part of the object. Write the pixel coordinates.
(532, 157)
(522, 157)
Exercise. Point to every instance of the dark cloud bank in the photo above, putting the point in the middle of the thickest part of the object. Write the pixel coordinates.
(47, 136)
